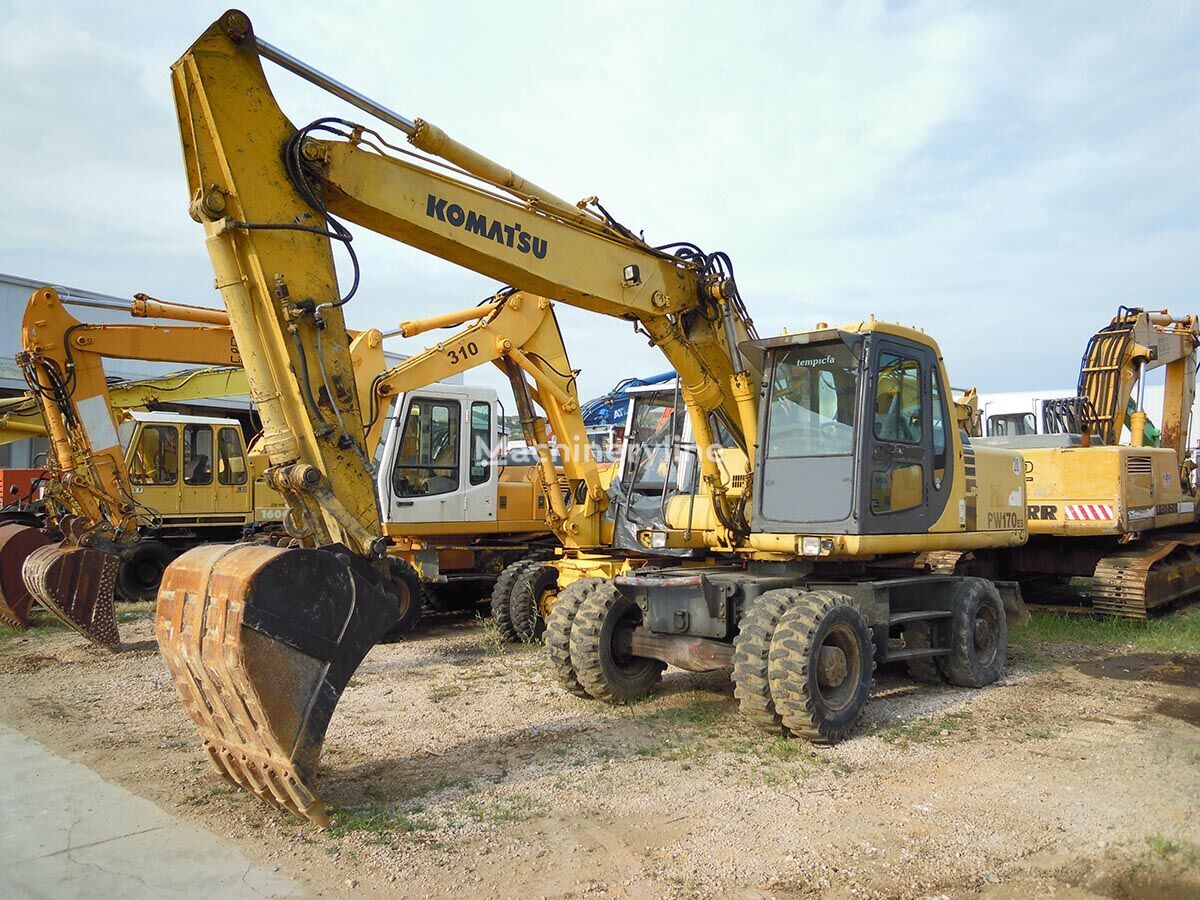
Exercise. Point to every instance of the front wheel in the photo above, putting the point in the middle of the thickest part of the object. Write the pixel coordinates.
(603, 671)
(821, 663)
(410, 593)
(978, 635)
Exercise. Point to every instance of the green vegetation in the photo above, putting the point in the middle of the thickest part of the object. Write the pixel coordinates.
(926, 730)
(1177, 632)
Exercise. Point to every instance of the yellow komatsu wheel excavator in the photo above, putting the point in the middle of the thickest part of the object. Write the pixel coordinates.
(824, 461)
(1120, 517)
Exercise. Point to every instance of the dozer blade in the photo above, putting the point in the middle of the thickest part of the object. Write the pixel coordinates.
(261, 642)
(77, 585)
(16, 543)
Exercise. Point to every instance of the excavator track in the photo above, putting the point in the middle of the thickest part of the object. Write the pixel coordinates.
(76, 584)
(261, 642)
(16, 543)
(1146, 575)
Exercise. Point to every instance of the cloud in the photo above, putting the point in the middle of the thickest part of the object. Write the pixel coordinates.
(1003, 176)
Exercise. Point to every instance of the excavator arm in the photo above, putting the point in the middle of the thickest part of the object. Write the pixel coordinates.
(1115, 364)
(257, 179)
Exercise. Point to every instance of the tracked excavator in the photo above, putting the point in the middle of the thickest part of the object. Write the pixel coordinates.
(825, 460)
(1119, 517)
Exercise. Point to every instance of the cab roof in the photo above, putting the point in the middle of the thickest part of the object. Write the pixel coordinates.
(171, 418)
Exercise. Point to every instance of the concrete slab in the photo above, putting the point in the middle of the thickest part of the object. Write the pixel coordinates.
(67, 833)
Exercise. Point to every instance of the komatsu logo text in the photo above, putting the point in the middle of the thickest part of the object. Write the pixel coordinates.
(477, 223)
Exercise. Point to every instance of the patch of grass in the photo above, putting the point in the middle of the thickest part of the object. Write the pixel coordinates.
(39, 623)
(380, 822)
(493, 641)
(134, 612)
(1161, 845)
(444, 692)
(926, 730)
(497, 809)
(1177, 632)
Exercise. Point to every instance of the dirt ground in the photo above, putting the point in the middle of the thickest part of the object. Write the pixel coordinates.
(456, 766)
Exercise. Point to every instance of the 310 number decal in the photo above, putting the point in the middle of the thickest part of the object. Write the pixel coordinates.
(463, 353)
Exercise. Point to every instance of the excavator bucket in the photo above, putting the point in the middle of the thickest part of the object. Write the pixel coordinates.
(261, 642)
(77, 585)
(16, 543)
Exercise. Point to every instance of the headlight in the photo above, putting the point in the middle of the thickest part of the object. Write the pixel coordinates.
(810, 546)
(655, 540)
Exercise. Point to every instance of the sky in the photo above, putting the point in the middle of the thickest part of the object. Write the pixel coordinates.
(1002, 175)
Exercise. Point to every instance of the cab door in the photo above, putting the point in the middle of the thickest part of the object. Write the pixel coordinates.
(903, 491)
(197, 493)
(482, 481)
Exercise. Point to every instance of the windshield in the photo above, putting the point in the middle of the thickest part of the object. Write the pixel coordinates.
(814, 389)
(653, 443)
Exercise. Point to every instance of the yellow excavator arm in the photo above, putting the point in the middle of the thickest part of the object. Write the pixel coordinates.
(269, 195)
(1115, 364)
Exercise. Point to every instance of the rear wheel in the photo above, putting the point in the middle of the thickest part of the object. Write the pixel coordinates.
(559, 625)
(530, 600)
(410, 592)
(141, 570)
(604, 671)
(919, 636)
(822, 659)
(978, 635)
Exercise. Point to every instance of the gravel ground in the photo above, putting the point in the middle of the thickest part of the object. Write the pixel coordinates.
(456, 765)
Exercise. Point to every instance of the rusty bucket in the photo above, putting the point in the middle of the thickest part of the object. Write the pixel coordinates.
(261, 642)
(76, 584)
(16, 543)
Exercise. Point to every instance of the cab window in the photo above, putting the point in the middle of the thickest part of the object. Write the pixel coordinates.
(156, 457)
(939, 431)
(427, 460)
(231, 460)
(898, 400)
(197, 454)
(481, 442)
(813, 397)
(896, 483)
(1011, 424)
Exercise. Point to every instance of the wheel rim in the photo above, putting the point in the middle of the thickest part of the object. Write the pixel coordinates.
(545, 601)
(620, 619)
(837, 666)
(985, 633)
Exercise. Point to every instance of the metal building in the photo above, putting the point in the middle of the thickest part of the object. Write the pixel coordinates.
(90, 306)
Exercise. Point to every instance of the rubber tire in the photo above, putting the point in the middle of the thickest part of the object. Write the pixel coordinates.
(964, 666)
(524, 611)
(22, 517)
(751, 651)
(793, 674)
(924, 669)
(411, 591)
(501, 598)
(135, 581)
(601, 673)
(558, 633)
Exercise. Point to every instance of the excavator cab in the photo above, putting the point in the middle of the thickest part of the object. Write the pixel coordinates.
(855, 436)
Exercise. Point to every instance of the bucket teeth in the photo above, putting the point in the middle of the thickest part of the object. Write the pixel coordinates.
(77, 585)
(16, 543)
(261, 642)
